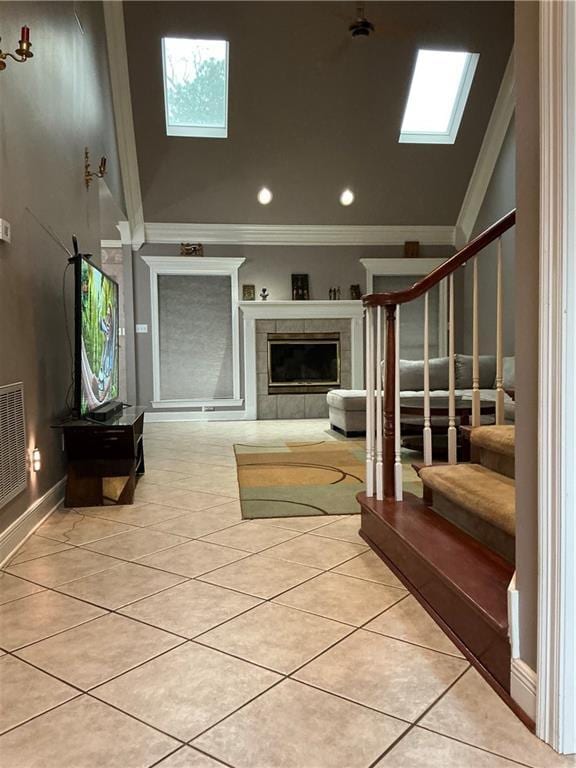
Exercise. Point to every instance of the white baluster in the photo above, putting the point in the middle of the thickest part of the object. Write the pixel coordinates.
(398, 480)
(452, 434)
(427, 431)
(379, 408)
(370, 363)
(475, 349)
(499, 346)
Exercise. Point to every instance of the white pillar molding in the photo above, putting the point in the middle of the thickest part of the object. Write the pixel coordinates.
(556, 709)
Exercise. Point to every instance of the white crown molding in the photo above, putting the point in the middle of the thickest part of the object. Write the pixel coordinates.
(123, 118)
(296, 234)
(488, 156)
(166, 265)
(523, 685)
(110, 243)
(556, 695)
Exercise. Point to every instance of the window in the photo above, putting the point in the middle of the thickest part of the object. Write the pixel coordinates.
(196, 87)
(438, 94)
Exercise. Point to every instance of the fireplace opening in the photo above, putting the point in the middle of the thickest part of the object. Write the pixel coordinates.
(303, 363)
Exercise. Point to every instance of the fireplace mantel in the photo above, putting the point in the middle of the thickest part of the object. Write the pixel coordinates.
(298, 310)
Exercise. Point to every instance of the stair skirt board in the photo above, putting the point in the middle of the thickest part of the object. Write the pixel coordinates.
(461, 584)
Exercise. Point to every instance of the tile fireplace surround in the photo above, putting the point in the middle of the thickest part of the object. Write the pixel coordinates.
(262, 318)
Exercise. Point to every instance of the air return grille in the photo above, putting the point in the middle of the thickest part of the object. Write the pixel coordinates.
(12, 442)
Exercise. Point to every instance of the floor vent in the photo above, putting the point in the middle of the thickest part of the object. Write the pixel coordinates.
(13, 474)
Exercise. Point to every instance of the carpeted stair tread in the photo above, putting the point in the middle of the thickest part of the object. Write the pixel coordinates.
(478, 490)
(496, 438)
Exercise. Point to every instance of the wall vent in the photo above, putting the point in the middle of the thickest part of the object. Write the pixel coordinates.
(13, 470)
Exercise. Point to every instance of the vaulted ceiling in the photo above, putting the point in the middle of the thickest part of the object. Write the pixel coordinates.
(312, 111)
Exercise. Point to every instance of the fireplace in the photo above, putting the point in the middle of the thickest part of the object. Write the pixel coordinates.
(303, 363)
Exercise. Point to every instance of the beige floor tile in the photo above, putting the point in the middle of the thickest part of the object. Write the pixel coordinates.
(53, 570)
(294, 726)
(197, 524)
(84, 733)
(302, 524)
(38, 616)
(342, 598)
(73, 527)
(93, 653)
(369, 567)
(162, 477)
(261, 576)
(251, 537)
(421, 749)
(345, 529)
(315, 551)
(276, 637)
(27, 692)
(473, 713)
(189, 758)
(120, 586)
(409, 621)
(211, 482)
(187, 690)
(37, 546)
(389, 675)
(193, 558)
(190, 608)
(140, 515)
(136, 543)
(192, 501)
(11, 588)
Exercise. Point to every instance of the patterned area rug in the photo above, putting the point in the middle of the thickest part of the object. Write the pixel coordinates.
(297, 479)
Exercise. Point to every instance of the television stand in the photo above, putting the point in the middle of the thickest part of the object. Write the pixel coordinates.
(105, 458)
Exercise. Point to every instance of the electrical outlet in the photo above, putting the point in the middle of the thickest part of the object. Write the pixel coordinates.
(142, 328)
(5, 231)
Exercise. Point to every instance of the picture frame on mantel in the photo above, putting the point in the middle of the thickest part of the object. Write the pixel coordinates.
(300, 287)
(248, 292)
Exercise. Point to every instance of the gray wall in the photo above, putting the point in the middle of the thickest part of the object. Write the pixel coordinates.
(500, 199)
(52, 107)
(527, 296)
(265, 266)
(312, 111)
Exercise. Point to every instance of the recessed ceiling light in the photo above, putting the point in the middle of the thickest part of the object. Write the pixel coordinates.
(347, 197)
(264, 196)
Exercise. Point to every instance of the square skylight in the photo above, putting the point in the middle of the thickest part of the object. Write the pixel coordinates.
(195, 87)
(438, 93)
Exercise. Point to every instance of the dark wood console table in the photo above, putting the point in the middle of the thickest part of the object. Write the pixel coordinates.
(104, 458)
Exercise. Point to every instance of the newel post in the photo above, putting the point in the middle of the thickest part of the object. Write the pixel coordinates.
(390, 402)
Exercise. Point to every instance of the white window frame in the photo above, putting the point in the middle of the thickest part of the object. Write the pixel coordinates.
(190, 265)
(196, 131)
(448, 136)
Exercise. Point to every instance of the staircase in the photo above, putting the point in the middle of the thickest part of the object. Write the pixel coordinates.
(454, 547)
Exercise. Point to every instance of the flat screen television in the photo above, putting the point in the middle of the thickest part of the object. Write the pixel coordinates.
(96, 358)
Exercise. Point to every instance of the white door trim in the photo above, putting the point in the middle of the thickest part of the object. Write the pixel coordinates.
(556, 707)
(191, 265)
(417, 268)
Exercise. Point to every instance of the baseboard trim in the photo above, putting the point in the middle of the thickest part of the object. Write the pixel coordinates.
(157, 416)
(17, 533)
(523, 682)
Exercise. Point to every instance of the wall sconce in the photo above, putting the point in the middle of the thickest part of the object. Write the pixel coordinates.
(23, 52)
(36, 460)
(88, 174)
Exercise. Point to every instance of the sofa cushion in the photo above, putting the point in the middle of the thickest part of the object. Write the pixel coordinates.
(508, 372)
(486, 370)
(412, 374)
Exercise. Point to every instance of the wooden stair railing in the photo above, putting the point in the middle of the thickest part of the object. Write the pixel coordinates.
(383, 458)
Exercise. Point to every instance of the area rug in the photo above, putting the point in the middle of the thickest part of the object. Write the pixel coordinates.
(296, 479)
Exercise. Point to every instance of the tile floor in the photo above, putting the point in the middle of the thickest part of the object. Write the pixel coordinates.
(170, 633)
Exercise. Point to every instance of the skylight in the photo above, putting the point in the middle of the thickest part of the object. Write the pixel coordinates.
(195, 87)
(438, 94)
